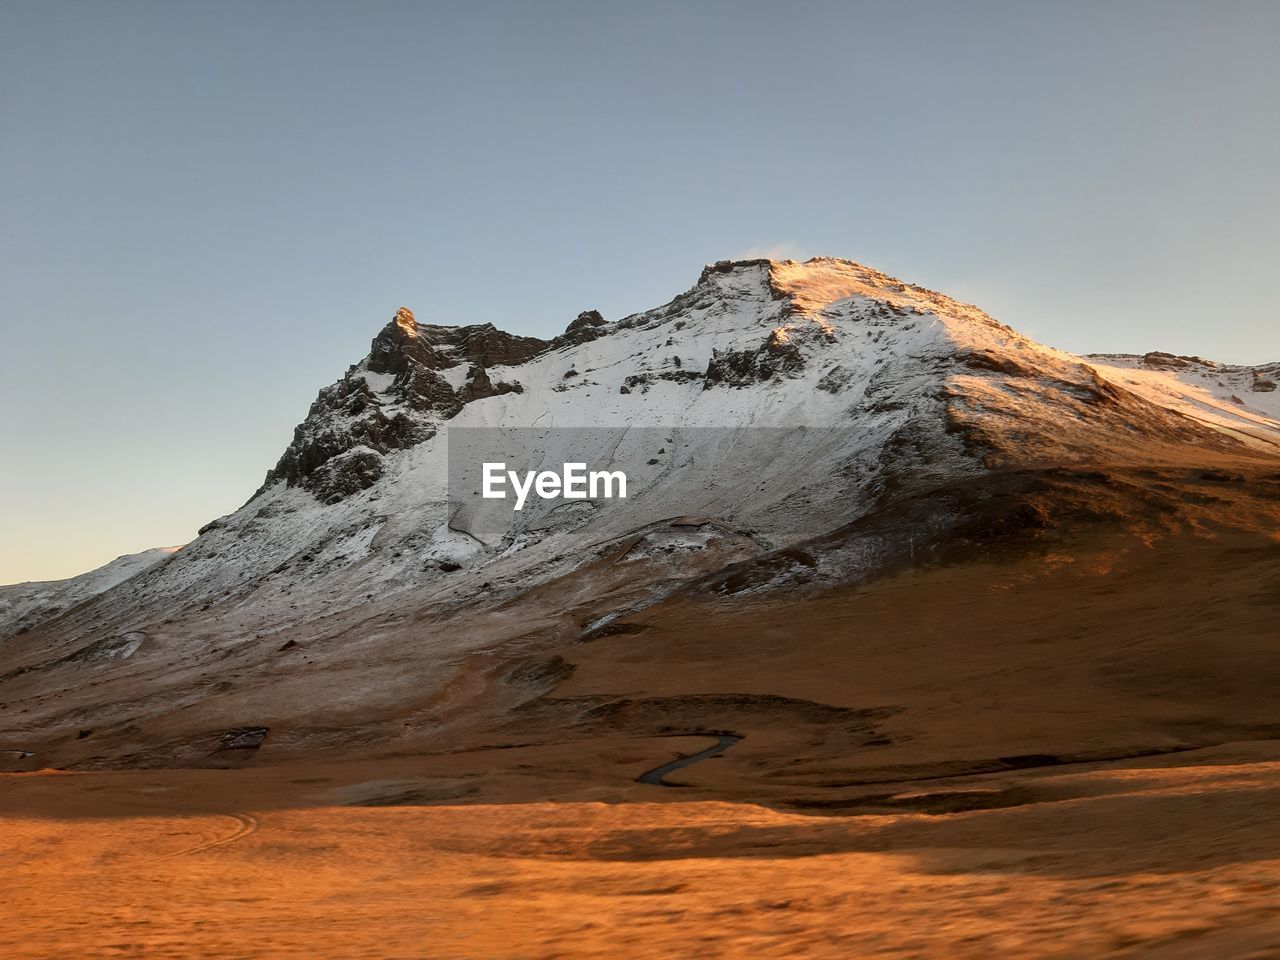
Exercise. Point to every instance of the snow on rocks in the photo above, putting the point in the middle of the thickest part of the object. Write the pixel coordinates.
(787, 399)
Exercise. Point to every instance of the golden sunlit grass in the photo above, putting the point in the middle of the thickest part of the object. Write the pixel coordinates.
(669, 879)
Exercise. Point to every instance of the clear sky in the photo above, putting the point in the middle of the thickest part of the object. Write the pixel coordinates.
(208, 209)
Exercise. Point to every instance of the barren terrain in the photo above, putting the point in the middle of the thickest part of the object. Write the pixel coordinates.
(1065, 750)
(918, 639)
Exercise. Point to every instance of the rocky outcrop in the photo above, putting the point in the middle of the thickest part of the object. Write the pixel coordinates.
(776, 357)
(1159, 360)
(415, 353)
(729, 266)
(582, 329)
(348, 473)
(643, 381)
(338, 449)
(346, 415)
(398, 348)
(351, 414)
(479, 386)
(485, 345)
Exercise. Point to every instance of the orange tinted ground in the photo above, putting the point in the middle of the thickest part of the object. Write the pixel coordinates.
(1085, 656)
(1174, 859)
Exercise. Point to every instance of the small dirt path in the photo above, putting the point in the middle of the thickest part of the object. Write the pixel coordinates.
(724, 742)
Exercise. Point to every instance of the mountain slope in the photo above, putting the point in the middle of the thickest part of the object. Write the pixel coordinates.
(1240, 401)
(808, 426)
(23, 605)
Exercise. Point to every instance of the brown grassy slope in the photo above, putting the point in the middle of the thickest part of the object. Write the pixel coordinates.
(1152, 627)
(973, 716)
(1055, 612)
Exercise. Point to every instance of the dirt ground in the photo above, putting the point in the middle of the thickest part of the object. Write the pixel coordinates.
(1070, 752)
(1173, 858)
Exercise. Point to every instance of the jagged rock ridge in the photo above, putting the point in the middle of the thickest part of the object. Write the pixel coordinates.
(339, 448)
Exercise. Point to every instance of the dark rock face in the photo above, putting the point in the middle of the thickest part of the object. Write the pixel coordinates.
(425, 390)
(414, 353)
(398, 347)
(643, 381)
(987, 360)
(1168, 361)
(729, 266)
(485, 345)
(348, 473)
(344, 416)
(479, 386)
(587, 319)
(337, 450)
(243, 738)
(836, 379)
(582, 329)
(776, 357)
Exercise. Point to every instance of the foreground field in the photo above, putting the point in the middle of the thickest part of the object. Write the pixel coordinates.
(1057, 746)
(1170, 858)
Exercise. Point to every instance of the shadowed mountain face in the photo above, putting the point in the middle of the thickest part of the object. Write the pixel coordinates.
(803, 441)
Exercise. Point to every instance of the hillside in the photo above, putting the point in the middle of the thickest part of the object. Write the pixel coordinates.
(793, 432)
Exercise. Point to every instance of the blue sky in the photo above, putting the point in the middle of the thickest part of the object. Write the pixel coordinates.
(208, 209)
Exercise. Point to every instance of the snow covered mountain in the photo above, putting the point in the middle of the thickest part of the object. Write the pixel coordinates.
(23, 605)
(1241, 401)
(771, 405)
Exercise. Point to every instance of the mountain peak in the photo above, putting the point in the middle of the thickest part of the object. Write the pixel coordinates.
(811, 286)
(405, 321)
